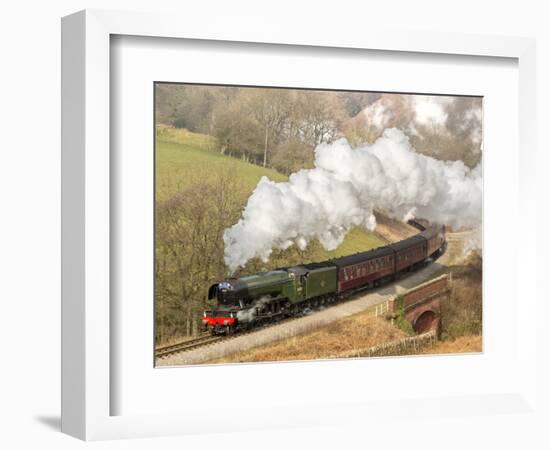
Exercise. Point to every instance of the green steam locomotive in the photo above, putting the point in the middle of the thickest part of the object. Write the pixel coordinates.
(261, 298)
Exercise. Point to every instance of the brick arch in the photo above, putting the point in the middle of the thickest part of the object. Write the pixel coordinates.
(421, 306)
(433, 306)
(427, 321)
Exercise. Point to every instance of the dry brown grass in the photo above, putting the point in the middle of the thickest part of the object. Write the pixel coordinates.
(462, 313)
(354, 333)
(463, 344)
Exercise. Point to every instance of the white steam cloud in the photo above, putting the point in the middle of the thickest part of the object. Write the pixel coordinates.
(430, 109)
(343, 190)
(473, 241)
(455, 117)
(248, 315)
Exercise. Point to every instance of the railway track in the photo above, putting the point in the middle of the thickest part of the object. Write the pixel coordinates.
(207, 339)
(189, 344)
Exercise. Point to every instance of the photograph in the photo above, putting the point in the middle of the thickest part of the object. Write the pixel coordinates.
(313, 224)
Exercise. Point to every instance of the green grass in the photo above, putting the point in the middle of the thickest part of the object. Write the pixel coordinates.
(178, 163)
(357, 240)
(182, 155)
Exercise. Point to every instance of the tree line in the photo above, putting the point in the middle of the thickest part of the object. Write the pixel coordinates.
(277, 128)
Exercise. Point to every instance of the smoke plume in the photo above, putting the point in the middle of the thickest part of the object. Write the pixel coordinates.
(343, 190)
(433, 121)
(248, 315)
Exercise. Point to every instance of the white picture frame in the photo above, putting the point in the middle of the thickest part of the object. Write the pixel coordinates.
(87, 385)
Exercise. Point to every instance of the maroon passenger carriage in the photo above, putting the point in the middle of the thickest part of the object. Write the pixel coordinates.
(364, 270)
(371, 268)
(435, 237)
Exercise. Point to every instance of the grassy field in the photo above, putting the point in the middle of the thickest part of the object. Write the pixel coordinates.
(181, 156)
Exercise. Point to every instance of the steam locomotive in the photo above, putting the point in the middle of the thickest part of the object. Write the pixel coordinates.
(257, 299)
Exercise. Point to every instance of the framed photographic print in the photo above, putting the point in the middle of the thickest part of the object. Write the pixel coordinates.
(252, 218)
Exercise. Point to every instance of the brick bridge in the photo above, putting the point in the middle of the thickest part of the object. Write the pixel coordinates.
(421, 305)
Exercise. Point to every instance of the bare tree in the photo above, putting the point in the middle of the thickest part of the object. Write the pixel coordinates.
(319, 116)
(189, 249)
(270, 108)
